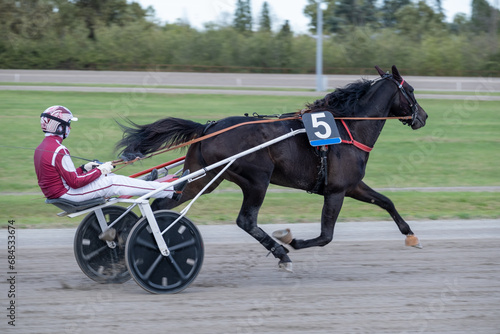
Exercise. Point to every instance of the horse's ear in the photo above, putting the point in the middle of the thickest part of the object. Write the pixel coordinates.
(379, 70)
(395, 73)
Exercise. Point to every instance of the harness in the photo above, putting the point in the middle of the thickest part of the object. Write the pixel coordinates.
(322, 179)
(323, 150)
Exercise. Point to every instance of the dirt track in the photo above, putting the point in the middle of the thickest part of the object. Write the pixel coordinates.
(361, 283)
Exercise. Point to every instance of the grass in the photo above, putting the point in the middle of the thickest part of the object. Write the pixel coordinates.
(458, 147)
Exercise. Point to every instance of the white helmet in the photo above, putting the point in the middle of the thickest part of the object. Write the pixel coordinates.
(56, 120)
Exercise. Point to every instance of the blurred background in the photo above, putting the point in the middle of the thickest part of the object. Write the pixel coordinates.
(432, 37)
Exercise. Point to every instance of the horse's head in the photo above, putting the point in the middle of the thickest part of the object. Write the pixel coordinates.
(405, 103)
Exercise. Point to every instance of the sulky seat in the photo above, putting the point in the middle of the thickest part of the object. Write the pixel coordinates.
(72, 207)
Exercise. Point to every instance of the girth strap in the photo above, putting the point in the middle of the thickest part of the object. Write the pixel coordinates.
(322, 180)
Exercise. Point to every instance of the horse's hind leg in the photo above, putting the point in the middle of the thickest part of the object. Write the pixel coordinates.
(253, 197)
(364, 193)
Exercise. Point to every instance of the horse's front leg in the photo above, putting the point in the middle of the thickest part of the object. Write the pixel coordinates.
(364, 193)
(331, 209)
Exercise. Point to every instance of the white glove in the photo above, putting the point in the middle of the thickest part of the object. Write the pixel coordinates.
(89, 166)
(106, 168)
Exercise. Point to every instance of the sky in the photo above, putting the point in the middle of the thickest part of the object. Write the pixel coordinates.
(198, 12)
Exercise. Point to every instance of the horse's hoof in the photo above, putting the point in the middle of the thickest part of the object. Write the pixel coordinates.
(286, 266)
(285, 236)
(413, 241)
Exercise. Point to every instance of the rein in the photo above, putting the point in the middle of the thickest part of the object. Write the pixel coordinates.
(296, 117)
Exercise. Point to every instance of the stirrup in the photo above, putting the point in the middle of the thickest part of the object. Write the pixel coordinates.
(179, 188)
(152, 176)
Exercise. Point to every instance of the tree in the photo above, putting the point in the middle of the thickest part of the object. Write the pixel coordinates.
(243, 16)
(330, 22)
(27, 19)
(107, 12)
(89, 11)
(356, 12)
(285, 30)
(284, 44)
(389, 9)
(416, 20)
(265, 19)
(459, 24)
(439, 6)
(341, 14)
(482, 17)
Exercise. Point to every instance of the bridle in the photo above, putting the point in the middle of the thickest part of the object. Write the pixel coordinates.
(412, 102)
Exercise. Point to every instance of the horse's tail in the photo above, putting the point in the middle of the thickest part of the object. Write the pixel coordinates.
(148, 138)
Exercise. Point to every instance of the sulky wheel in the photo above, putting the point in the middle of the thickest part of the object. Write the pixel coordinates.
(101, 260)
(165, 274)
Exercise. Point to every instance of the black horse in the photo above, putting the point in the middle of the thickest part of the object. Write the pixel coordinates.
(293, 162)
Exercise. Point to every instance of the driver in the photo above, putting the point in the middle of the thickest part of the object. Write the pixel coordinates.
(58, 177)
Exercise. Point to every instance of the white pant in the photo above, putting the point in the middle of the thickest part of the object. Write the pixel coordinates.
(116, 185)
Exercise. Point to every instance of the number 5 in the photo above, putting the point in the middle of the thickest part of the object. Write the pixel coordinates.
(317, 124)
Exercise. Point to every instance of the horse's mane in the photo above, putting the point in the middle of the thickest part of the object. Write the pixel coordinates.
(341, 102)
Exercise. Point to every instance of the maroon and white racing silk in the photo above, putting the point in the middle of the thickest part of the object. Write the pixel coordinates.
(56, 172)
(58, 177)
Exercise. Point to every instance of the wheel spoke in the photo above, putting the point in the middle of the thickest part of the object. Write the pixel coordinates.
(177, 268)
(141, 242)
(155, 264)
(114, 270)
(93, 254)
(115, 257)
(95, 226)
(118, 268)
(182, 245)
